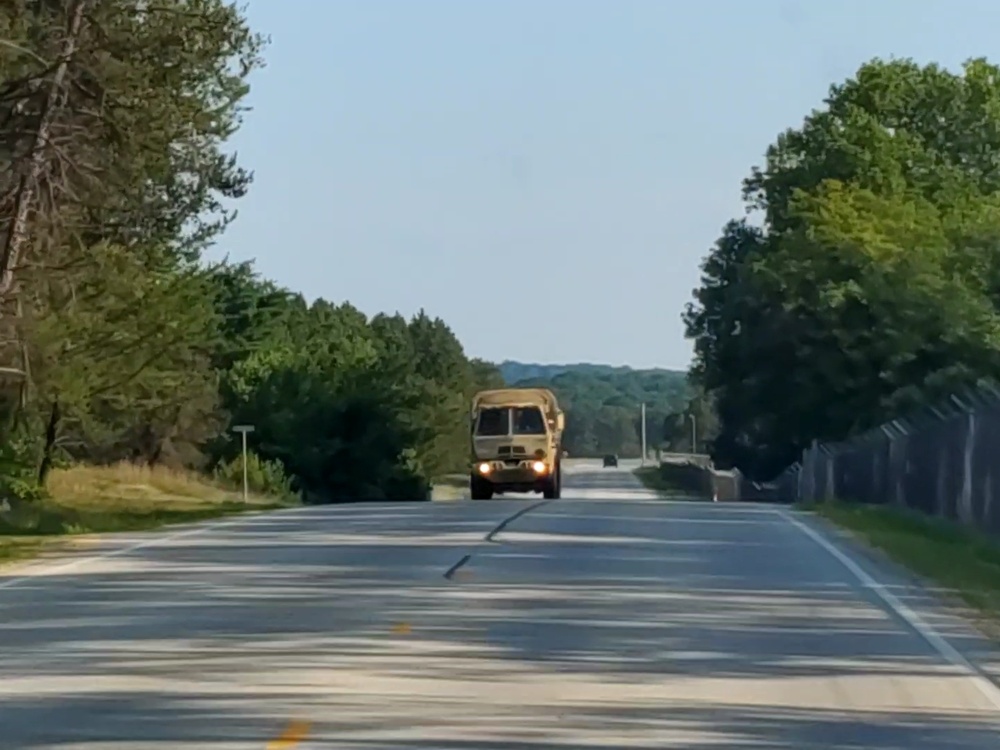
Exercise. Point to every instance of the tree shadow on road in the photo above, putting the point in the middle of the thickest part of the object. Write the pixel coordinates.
(598, 639)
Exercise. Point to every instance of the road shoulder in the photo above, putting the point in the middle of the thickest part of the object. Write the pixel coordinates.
(69, 553)
(945, 614)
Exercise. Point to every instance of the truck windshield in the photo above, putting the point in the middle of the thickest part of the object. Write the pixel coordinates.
(498, 420)
(528, 420)
(494, 422)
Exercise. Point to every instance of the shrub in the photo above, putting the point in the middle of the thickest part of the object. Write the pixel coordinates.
(263, 477)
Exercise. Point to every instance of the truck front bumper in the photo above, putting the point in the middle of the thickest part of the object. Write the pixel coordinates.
(514, 475)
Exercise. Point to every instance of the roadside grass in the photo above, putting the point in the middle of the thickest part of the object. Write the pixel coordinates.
(962, 562)
(122, 497)
(652, 478)
(450, 487)
(14, 548)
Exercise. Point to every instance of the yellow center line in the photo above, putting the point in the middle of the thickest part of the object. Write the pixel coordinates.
(294, 733)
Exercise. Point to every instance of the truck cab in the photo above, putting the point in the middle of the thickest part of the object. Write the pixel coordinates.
(516, 441)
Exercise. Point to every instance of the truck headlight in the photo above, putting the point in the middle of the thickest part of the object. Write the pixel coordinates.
(539, 467)
(484, 468)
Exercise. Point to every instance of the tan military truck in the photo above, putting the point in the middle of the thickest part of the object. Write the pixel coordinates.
(516, 441)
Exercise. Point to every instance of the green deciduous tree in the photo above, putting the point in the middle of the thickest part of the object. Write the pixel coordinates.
(116, 114)
(872, 284)
(353, 408)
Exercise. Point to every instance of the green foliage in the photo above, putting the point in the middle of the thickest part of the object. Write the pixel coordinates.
(352, 408)
(873, 284)
(603, 404)
(692, 429)
(135, 348)
(263, 477)
(18, 480)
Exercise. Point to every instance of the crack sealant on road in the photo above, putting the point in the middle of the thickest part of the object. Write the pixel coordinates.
(490, 537)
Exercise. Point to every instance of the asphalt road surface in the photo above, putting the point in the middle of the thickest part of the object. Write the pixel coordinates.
(606, 619)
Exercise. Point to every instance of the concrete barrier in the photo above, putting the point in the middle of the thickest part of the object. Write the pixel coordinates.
(696, 474)
(726, 485)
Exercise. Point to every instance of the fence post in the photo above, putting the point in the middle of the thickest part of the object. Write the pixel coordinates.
(807, 475)
(965, 513)
(830, 466)
(800, 479)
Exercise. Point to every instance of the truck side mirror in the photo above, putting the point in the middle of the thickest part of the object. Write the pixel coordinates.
(561, 421)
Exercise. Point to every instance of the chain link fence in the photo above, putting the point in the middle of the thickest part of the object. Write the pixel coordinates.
(943, 461)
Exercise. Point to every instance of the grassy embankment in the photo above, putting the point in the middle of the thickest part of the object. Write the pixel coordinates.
(674, 481)
(90, 499)
(955, 560)
(450, 487)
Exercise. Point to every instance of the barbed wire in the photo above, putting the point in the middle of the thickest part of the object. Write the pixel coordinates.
(983, 396)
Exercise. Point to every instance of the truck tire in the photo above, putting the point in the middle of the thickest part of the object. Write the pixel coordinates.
(553, 489)
(480, 490)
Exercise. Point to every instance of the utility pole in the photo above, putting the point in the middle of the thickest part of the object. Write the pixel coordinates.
(643, 428)
(243, 429)
(694, 433)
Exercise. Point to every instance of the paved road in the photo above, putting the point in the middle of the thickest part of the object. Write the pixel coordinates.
(606, 619)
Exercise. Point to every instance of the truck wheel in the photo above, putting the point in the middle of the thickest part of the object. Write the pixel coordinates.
(553, 489)
(479, 490)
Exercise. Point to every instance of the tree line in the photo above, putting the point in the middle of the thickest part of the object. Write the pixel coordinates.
(865, 280)
(603, 406)
(119, 341)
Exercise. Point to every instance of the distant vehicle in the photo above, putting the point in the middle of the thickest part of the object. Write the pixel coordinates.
(516, 443)
(610, 460)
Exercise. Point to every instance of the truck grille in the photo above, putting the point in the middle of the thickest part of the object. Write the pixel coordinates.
(512, 450)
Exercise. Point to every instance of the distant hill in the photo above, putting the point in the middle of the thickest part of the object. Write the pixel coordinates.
(514, 372)
(602, 402)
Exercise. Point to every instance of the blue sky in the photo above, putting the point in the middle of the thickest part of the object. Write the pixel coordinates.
(545, 175)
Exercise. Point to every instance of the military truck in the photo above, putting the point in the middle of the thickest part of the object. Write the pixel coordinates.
(516, 442)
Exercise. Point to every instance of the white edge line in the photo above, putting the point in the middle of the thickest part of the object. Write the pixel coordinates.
(948, 652)
(77, 562)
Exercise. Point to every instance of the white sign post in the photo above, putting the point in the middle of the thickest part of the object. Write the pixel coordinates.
(243, 429)
(642, 412)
